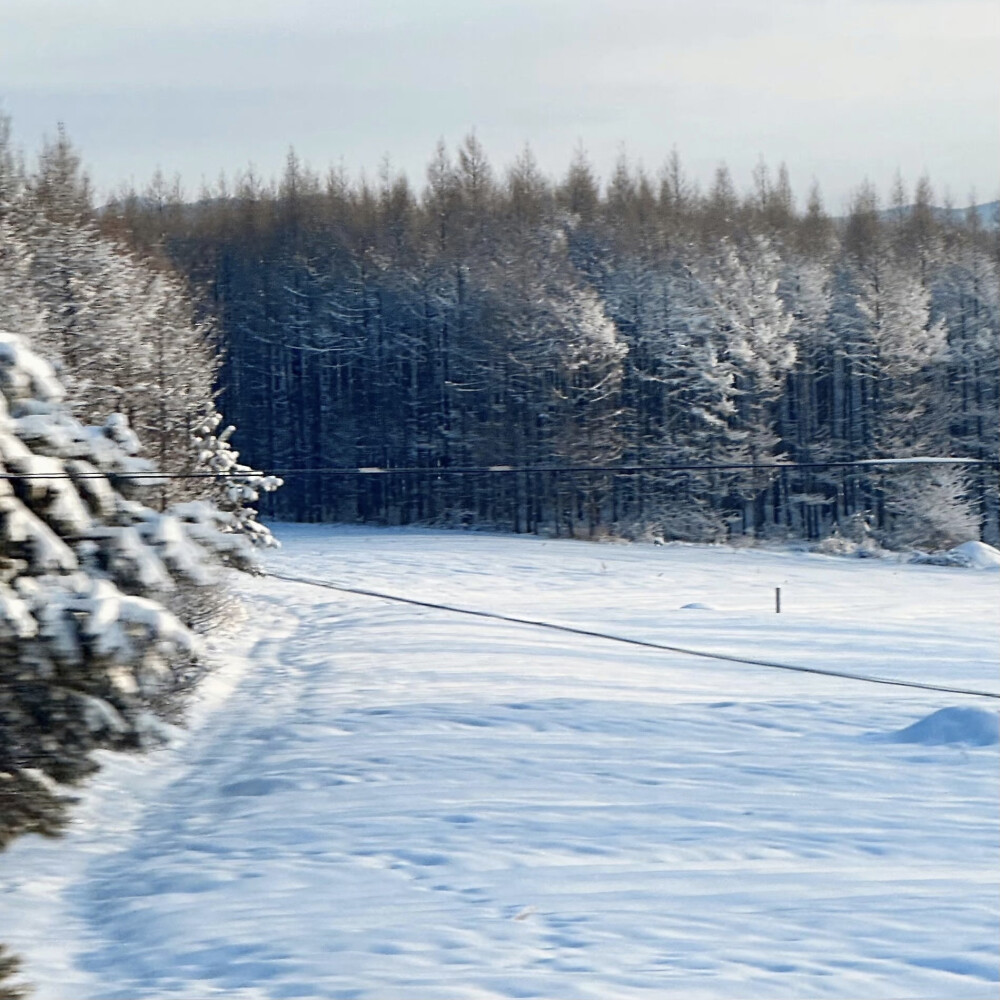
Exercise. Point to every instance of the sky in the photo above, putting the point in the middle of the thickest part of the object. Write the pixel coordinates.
(839, 90)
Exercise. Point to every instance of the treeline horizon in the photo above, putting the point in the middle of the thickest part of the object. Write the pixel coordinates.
(520, 320)
(165, 186)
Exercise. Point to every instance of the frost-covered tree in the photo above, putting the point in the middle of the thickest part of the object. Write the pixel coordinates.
(121, 330)
(903, 349)
(966, 297)
(753, 330)
(930, 508)
(683, 404)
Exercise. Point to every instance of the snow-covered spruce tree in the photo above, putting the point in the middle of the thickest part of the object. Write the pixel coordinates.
(89, 653)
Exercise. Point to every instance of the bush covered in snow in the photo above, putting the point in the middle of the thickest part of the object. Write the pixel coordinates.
(94, 641)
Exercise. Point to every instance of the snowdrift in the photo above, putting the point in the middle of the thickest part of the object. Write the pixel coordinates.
(977, 555)
(970, 726)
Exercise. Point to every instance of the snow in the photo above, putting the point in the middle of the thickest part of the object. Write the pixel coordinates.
(972, 726)
(978, 555)
(15, 618)
(24, 372)
(375, 800)
(101, 715)
(48, 552)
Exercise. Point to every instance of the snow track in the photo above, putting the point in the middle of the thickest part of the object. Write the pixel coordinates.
(400, 802)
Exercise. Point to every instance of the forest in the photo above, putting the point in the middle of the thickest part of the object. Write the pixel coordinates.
(506, 319)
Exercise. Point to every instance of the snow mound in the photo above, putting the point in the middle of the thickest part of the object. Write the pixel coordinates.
(978, 555)
(973, 726)
(697, 606)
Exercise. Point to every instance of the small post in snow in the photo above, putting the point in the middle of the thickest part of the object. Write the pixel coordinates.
(777, 600)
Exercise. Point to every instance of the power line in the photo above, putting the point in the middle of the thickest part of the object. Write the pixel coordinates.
(593, 634)
(376, 470)
(636, 469)
(13, 476)
(883, 464)
(589, 633)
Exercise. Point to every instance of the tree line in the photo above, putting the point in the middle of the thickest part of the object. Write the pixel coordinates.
(510, 319)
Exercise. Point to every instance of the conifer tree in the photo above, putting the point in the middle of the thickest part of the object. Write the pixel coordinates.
(89, 651)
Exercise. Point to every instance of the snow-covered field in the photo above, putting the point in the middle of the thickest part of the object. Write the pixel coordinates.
(375, 800)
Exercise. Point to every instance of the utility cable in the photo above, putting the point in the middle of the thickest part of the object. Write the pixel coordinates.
(880, 463)
(592, 634)
(884, 464)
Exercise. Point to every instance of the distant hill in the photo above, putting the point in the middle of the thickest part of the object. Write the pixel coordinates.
(988, 213)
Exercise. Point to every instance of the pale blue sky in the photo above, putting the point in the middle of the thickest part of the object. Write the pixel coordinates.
(840, 90)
